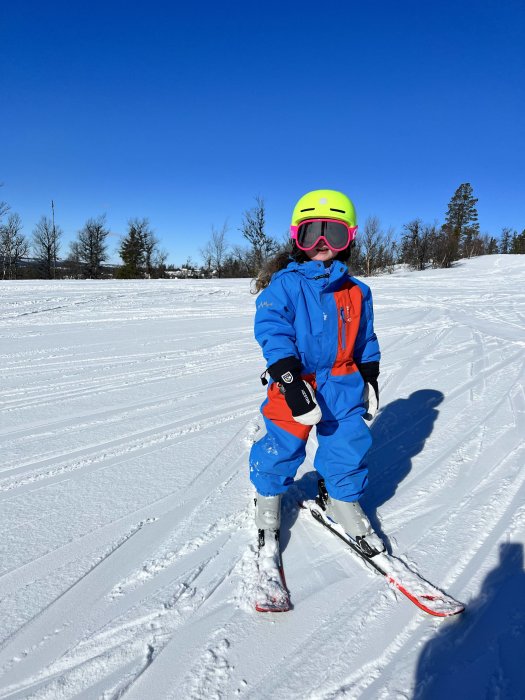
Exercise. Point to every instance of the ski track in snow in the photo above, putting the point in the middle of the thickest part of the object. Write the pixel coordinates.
(128, 560)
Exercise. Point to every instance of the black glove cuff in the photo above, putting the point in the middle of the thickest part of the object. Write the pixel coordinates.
(369, 372)
(286, 371)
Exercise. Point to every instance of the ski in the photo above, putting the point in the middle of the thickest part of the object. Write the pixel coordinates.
(271, 593)
(419, 591)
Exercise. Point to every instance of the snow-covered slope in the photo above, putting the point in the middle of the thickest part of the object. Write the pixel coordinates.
(128, 550)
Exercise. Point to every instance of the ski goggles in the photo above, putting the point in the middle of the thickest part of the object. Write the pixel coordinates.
(336, 234)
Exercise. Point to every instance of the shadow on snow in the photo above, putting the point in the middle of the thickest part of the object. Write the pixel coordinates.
(399, 433)
(482, 653)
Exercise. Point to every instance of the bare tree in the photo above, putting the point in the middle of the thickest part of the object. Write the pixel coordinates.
(13, 246)
(73, 260)
(375, 250)
(4, 208)
(46, 243)
(190, 264)
(388, 252)
(415, 245)
(443, 247)
(158, 262)
(207, 257)
(216, 249)
(149, 243)
(239, 262)
(91, 250)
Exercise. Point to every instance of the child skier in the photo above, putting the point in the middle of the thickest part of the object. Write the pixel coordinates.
(314, 323)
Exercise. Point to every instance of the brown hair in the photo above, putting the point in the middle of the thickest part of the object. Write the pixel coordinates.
(279, 261)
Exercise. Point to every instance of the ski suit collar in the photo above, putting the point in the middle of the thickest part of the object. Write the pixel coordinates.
(314, 270)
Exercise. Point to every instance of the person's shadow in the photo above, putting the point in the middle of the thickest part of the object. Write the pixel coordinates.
(399, 432)
(482, 653)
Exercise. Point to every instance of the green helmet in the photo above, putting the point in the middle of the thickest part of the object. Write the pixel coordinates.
(324, 204)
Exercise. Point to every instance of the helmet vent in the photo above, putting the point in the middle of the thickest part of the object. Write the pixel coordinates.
(309, 209)
(341, 211)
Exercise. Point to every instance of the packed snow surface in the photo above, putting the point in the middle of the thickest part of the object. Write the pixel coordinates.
(128, 549)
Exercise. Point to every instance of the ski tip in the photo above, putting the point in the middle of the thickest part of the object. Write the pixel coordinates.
(450, 612)
(272, 594)
(436, 605)
(271, 603)
(270, 608)
(453, 607)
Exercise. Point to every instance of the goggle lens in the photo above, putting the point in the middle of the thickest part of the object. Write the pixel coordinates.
(309, 233)
(337, 234)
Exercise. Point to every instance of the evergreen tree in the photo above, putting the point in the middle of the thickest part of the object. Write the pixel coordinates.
(461, 221)
(504, 245)
(252, 229)
(132, 252)
(517, 246)
(140, 252)
(491, 245)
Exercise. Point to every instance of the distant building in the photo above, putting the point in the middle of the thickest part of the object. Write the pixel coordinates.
(189, 273)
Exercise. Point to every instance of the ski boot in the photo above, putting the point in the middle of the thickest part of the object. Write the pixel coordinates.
(271, 592)
(352, 519)
(268, 518)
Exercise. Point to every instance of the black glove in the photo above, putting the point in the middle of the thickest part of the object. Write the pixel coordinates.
(370, 372)
(298, 394)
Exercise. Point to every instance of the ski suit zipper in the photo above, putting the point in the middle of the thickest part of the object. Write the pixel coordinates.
(343, 328)
(345, 318)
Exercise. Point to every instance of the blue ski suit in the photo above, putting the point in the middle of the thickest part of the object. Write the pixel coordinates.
(325, 318)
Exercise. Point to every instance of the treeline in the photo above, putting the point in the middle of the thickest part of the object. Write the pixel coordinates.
(429, 245)
(41, 255)
(421, 245)
(220, 259)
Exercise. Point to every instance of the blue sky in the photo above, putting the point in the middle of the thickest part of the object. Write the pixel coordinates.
(184, 112)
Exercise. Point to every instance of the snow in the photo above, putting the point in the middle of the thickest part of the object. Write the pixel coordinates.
(127, 557)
